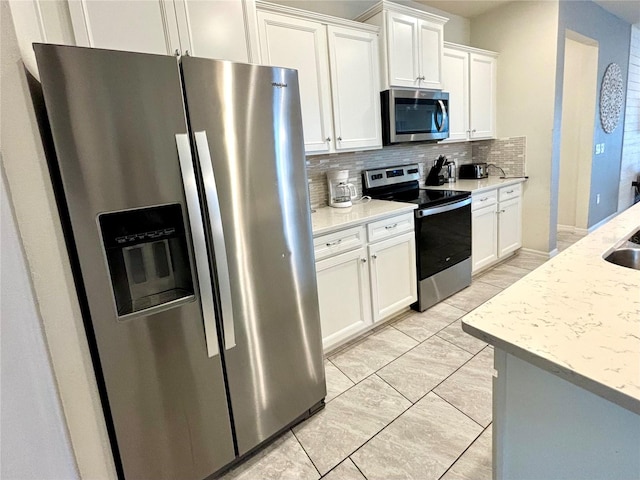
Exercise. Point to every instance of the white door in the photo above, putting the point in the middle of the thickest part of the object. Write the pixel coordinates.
(278, 36)
(430, 46)
(355, 88)
(455, 80)
(482, 97)
(214, 29)
(393, 275)
(144, 26)
(484, 237)
(343, 294)
(509, 226)
(402, 49)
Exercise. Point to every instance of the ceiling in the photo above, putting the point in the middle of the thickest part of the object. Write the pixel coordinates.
(628, 10)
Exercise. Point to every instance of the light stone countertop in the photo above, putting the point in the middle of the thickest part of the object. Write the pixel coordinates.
(476, 186)
(577, 316)
(328, 219)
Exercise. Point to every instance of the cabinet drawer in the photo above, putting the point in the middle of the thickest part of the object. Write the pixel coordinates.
(390, 227)
(338, 242)
(483, 199)
(512, 191)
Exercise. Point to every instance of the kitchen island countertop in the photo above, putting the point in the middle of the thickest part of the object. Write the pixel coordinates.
(327, 219)
(577, 316)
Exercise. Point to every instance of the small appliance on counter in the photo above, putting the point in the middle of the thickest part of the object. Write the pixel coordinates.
(474, 171)
(451, 171)
(341, 192)
(434, 177)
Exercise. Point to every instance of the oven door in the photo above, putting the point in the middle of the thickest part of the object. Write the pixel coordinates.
(416, 115)
(443, 236)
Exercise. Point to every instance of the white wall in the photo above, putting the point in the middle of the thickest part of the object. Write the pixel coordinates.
(630, 168)
(578, 101)
(34, 438)
(456, 30)
(39, 226)
(526, 35)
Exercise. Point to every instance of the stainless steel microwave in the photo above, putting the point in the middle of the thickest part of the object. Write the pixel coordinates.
(414, 115)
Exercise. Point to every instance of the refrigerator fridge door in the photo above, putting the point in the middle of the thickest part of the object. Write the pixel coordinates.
(247, 131)
(114, 117)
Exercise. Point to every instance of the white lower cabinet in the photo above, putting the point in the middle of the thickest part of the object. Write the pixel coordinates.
(393, 275)
(343, 294)
(496, 221)
(484, 237)
(362, 283)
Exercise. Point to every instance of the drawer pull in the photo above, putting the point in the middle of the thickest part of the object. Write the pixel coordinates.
(389, 227)
(332, 244)
(484, 199)
(510, 191)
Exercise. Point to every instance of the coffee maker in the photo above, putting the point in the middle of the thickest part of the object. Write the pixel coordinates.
(341, 192)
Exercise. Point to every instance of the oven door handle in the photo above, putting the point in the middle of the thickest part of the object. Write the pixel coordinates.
(425, 212)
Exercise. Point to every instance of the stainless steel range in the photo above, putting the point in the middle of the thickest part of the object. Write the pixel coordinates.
(442, 226)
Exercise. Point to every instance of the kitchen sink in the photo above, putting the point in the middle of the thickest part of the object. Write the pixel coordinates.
(625, 257)
(627, 254)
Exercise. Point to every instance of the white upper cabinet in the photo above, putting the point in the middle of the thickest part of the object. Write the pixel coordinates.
(482, 97)
(469, 75)
(219, 29)
(355, 89)
(411, 47)
(337, 63)
(278, 33)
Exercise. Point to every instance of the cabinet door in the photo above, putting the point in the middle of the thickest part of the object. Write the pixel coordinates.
(146, 26)
(430, 45)
(353, 60)
(482, 97)
(484, 237)
(402, 49)
(214, 29)
(509, 226)
(301, 44)
(393, 275)
(455, 80)
(343, 294)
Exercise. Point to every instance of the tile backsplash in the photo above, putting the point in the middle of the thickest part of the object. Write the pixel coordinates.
(507, 153)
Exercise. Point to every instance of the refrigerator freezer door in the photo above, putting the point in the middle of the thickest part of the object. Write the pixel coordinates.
(114, 116)
(251, 116)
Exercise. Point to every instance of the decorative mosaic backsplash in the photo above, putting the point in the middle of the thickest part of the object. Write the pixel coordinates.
(507, 153)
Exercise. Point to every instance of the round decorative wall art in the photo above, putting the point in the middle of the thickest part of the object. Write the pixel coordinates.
(611, 97)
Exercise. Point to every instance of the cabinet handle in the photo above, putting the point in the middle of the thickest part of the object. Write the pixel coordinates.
(484, 199)
(339, 139)
(187, 53)
(473, 131)
(331, 244)
(328, 139)
(374, 256)
(509, 191)
(389, 227)
(177, 53)
(420, 78)
(500, 211)
(363, 260)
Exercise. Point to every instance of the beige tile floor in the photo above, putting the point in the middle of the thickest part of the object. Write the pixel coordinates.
(410, 400)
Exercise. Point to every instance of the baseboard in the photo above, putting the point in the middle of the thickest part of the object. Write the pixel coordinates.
(572, 229)
(601, 222)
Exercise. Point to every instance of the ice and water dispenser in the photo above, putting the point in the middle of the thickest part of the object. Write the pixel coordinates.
(148, 260)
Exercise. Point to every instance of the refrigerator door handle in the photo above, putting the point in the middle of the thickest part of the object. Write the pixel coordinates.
(199, 245)
(217, 234)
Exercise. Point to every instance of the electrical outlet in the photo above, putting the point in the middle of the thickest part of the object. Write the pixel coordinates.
(597, 199)
(597, 149)
(602, 148)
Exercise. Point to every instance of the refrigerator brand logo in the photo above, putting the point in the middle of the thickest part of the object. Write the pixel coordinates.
(279, 85)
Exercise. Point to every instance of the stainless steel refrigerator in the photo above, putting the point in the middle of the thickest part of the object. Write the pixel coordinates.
(184, 194)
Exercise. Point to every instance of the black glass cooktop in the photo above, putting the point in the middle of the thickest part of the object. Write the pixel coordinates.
(426, 198)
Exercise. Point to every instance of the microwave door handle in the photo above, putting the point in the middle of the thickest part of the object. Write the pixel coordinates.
(443, 109)
(199, 246)
(217, 235)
